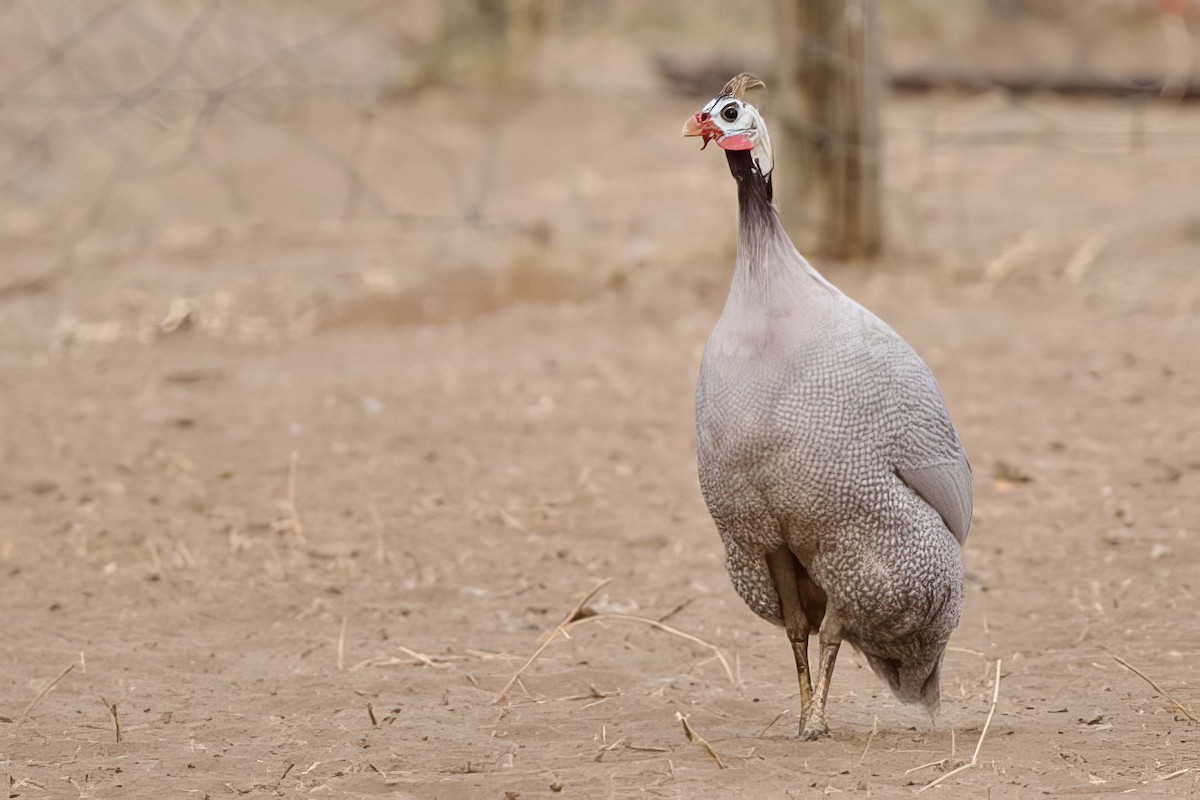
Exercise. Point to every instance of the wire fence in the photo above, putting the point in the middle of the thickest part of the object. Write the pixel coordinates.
(126, 121)
(123, 117)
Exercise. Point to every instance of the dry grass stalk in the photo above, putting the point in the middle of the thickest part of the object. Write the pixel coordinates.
(548, 637)
(293, 513)
(1174, 774)
(978, 745)
(965, 650)
(573, 614)
(112, 709)
(676, 609)
(774, 719)
(341, 645)
(1084, 257)
(1162, 692)
(653, 623)
(15, 783)
(413, 657)
(874, 730)
(576, 617)
(44, 692)
(608, 748)
(591, 694)
(586, 706)
(516, 678)
(488, 655)
(381, 553)
(440, 662)
(692, 736)
(937, 763)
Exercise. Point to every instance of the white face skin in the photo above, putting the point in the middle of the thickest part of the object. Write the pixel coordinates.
(737, 118)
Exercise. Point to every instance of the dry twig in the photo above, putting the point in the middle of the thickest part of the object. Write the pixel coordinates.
(112, 709)
(774, 719)
(978, 745)
(413, 658)
(937, 763)
(575, 611)
(653, 623)
(1162, 692)
(341, 645)
(44, 692)
(577, 617)
(692, 736)
(609, 748)
(429, 661)
(293, 513)
(676, 609)
(381, 553)
(874, 730)
(549, 637)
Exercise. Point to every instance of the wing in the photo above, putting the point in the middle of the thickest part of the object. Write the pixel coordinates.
(929, 456)
(946, 487)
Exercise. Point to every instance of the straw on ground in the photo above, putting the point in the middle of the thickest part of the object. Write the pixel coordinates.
(1187, 712)
(692, 736)
(44, 692)
(978, 745)
(576, 616)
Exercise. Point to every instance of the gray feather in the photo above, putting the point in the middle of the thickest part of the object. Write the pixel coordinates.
(819, 428)
(946, 487)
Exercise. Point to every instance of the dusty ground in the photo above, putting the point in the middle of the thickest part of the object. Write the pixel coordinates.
(491, 418)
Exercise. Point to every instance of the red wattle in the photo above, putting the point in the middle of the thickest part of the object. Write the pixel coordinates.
(735, 141)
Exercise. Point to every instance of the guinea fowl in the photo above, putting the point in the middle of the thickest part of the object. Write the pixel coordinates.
(826, 455)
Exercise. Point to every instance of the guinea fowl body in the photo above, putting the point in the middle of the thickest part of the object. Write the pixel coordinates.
(819, 430)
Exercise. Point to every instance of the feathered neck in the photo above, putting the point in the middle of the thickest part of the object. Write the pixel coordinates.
(765, 253)
(754, 188)
(758, 223)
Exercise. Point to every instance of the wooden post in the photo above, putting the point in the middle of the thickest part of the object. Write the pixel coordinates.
(487, 42)
(826, 110)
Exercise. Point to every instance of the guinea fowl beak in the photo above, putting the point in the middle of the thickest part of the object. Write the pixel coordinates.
(701, 125)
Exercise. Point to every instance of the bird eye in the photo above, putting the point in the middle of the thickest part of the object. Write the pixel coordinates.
(729, 113)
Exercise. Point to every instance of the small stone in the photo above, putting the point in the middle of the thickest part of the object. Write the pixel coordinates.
(1115, 536)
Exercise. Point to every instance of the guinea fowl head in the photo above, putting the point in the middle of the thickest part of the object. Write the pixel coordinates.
(733, 120)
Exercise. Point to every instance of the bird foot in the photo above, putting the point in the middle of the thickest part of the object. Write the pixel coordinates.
(811, 731)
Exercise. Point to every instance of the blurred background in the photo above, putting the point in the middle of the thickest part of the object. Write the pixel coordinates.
(532, 145)
(345, 345)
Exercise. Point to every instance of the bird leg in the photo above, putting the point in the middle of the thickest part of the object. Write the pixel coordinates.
(782, 566)
(814, 726)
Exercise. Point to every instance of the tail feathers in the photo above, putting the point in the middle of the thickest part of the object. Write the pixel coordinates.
(917, 683)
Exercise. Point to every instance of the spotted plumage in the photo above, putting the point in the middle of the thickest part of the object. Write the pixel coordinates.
(826, 455)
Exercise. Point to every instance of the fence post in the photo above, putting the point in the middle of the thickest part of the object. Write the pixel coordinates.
(827, 93)
(487, 42)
